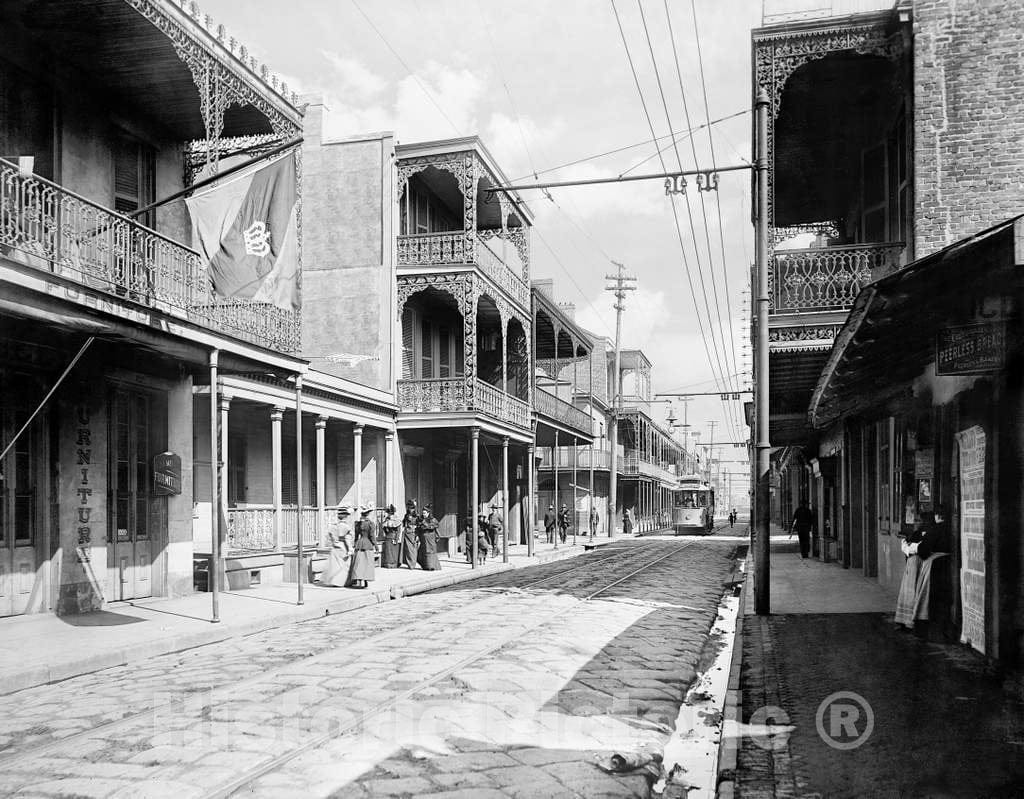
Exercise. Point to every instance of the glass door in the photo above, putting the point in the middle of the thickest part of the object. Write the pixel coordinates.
(129, 539)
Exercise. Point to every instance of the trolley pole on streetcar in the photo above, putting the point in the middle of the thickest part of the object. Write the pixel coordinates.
(620, 285)
(762, 503)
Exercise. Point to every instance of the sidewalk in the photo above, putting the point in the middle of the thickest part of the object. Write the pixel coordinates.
(917, 718)
(44, 648)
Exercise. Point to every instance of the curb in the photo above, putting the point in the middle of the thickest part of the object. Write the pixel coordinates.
(729, 744)
(44, 675)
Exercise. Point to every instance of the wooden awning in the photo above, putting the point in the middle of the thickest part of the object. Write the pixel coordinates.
(889, 338)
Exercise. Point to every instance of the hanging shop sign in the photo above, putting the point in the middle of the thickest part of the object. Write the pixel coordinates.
(970, 349)
(166, 474)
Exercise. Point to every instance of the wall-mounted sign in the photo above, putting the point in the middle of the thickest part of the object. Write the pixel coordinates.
(970, 349)
(924, 463)
(166, 474)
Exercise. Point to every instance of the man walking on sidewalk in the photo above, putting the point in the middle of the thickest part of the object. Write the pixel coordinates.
(803, 523)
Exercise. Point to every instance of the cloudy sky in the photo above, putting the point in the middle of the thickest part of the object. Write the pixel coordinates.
(548, 83)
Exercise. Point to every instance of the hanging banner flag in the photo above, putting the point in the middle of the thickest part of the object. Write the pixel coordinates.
(246, 229)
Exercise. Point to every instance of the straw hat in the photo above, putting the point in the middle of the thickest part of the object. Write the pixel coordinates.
(344, 510)
(364, 509)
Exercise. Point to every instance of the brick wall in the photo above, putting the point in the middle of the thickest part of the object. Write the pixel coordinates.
(968, 119)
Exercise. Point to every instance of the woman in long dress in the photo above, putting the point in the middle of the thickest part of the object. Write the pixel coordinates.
(426, 531)
(392, 540)
(339, 536)
(361, 571)
(409, 542)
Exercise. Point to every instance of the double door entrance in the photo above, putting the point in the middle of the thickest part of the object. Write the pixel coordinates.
(137, 517)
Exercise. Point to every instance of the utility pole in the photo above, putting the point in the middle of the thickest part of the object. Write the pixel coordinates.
(762, 496)
(711, 446)
(619, 288)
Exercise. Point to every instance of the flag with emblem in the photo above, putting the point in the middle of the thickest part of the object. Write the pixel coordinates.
(246, 228)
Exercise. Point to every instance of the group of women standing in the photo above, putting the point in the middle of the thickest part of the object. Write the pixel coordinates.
(410, 541)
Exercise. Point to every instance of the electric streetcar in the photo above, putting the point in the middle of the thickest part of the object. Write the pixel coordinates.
(694, 511)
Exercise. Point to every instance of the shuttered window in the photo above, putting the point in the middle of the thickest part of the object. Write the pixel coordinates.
(134, 177)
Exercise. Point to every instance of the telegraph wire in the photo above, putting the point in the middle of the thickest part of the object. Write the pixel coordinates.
(703, 206)
(718, 199)
(722, 357)
(408, 69)
(679, 232)
(680, 133)
(547, 194)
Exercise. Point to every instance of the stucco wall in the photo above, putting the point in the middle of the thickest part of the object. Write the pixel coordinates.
(348, 279)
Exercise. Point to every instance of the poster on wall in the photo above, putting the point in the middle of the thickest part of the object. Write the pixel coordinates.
(972, 536)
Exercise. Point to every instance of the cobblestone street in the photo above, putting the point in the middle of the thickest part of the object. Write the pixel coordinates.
(511, 685)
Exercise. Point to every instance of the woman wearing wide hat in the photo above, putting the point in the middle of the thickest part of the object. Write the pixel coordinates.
(361, 571)
(339, 536)
(426, 531)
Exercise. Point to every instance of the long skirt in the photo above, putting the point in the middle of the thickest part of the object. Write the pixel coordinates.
(336, 571)
(362, 565)
(427, 554)
(389, 553)
(908, 591)
(409, 549)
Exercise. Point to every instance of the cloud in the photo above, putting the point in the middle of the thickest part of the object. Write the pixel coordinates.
(352, 78)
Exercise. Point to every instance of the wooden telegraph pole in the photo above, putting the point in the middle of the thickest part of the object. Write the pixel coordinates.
(619, 287)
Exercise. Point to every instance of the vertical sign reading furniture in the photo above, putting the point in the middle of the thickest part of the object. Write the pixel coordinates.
(972, 536)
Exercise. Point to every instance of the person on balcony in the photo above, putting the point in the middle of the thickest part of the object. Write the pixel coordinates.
(409, 542)
(391, 551)
(426, 532)
(361, 571)
(339, 537)
(550, 520)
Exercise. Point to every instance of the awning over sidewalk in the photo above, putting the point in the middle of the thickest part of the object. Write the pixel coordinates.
(891, 334)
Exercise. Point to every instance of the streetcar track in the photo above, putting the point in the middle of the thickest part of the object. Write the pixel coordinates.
(107, 728)
(253, 774)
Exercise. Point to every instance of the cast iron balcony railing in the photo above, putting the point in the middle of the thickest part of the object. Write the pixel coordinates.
(461, 247)
(47, 227)
(456, 395)
(600, 456)
(828, 278)
(562, 411)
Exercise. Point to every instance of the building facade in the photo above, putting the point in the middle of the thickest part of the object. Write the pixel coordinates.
(893, 149)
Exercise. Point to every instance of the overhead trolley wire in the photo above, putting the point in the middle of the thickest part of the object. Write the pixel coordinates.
(675, 217)
(721, 357)
(718, 199)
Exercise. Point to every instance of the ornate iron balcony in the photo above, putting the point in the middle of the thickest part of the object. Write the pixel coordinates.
(562, 411)
(828, 278)
(47, 227)
(459, 395)
(461, 247)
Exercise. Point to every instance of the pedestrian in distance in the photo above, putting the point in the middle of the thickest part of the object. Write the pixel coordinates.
(361, 570)
(391, 551)
(595, 521)
(563, 522)
(409, 541)
(550, 520)
(426, 532)
(339, 538)
(732, 517)
(495, 526)
(803, 523)
(627, 521)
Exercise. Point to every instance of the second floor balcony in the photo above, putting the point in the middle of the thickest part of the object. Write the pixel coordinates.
(54, 231)
(562, 412)
(828, 278)
(457, 396)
